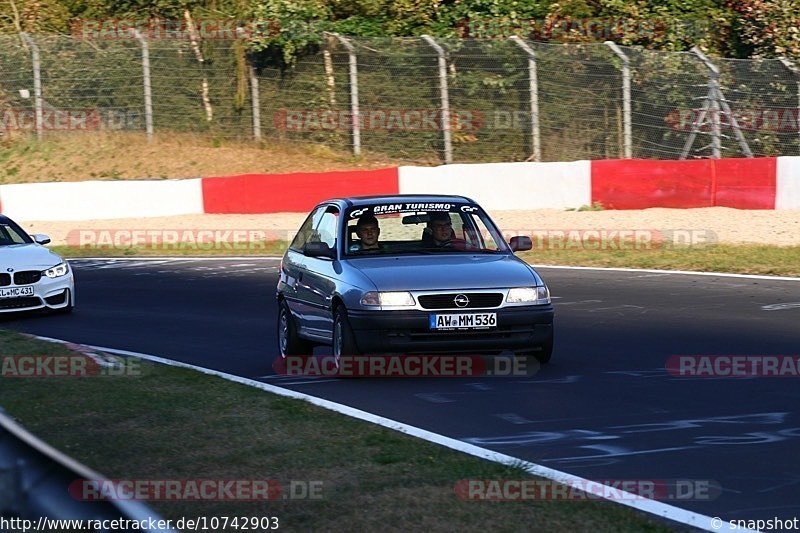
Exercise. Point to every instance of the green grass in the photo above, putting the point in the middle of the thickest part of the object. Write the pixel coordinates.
(170, 423)
(734, 258)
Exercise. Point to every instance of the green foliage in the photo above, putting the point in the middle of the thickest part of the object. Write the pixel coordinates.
(293, 25)
(736, 28)
(769, 27)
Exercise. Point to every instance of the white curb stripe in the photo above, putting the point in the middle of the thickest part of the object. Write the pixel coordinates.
(787, 184)
(669, 512)
(524, 185)
(103, 199)
(680, 272)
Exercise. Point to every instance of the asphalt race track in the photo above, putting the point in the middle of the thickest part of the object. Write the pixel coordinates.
(605, 408)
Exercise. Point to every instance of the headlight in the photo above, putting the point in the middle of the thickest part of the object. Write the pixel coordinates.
(57, 271)
(396, 299)
(529, 295)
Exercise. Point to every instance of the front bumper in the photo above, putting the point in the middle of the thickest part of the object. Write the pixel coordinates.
(55, 293)
(518, 329)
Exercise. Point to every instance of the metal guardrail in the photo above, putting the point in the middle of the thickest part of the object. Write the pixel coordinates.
(35, 477)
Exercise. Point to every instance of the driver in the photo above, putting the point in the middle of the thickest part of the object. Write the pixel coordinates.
(368, 231)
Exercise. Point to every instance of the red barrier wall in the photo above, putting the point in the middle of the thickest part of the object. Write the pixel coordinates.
(746, 183)
(297, 192)
(639, 184)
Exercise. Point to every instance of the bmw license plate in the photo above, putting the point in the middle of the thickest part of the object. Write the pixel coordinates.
(463, 321)
(16, 292)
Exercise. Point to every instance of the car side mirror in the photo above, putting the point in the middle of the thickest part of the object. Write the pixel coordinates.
(319, 249)
(520, 244)
(40, 238)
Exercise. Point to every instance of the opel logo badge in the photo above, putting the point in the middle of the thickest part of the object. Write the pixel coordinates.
(461, 300)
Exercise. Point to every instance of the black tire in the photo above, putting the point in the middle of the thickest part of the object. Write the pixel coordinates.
(289, 342)
(344, 342)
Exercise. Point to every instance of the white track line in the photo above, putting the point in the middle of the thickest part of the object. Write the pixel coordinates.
(680, 272)
(663, 510)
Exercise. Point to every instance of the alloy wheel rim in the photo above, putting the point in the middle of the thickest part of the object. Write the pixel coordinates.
(337, 342)
(283, 331)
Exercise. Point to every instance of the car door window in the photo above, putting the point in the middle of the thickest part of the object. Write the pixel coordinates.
(327, 227)
(308, 232)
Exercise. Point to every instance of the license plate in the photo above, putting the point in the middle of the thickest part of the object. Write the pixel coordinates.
(16, 292)
(463, 321)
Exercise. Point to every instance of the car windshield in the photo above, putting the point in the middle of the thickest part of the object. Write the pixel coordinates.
(421, 228)
(10, 234)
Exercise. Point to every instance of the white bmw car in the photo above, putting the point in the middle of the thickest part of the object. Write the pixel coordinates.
(31, 276)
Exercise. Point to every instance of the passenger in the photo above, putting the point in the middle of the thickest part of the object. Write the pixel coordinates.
(441, 230)
(368, 231)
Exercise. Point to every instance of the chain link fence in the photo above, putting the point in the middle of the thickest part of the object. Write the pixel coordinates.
(413, 99)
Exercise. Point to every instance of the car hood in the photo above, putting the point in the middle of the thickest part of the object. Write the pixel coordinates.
(27, 257)
(443, 272)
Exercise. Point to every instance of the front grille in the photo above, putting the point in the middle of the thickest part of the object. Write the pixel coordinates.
(20, 303)
(26, 277)
(5, 280)
(446, 301)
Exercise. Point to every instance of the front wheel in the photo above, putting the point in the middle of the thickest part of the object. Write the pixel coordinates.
(344, 342)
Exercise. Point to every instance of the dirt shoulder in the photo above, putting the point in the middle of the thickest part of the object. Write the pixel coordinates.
(128, 156)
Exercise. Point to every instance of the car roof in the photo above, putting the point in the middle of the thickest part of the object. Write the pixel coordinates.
(389, 198)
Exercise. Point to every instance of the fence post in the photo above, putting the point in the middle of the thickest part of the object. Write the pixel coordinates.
(256, 103)
(717, 101)
(354, 110)
(445, 97)
(796, 71)
(148, 95)
(626, 99)
(533, 82)
(37, 83)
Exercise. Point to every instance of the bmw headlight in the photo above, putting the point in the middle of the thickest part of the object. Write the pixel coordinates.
(389, 299)
(57, 271)
(529, 295)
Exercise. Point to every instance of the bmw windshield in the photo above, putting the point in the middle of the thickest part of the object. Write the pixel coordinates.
(10, 234)
(420, 228)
